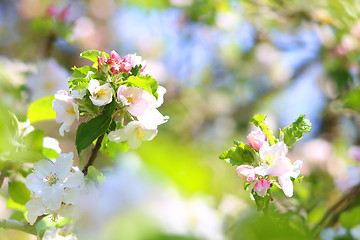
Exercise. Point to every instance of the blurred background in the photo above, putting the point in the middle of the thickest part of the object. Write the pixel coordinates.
(221, 62)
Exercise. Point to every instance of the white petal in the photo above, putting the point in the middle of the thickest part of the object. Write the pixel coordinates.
(53, 198)
(296, 168)
(35, 208)
(262, 170)
(133, 142)
(93, 84)
(63, 164)
(286, 185)
(160, 91)
(149, 134)
(43, 168)
(35, 184)
(74, 180)
(117, 135)
(66, 126)
(71, 196)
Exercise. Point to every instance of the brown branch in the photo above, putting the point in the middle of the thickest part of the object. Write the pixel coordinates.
(93, 155)
(16, 225)
(337, 208)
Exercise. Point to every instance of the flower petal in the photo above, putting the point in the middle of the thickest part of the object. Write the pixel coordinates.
(286, 185)
(53, 197)
(74, 180)
(43, 168)
(35, 184)
(133, 142)
(117, 135)
(63, 164)
(35, 208)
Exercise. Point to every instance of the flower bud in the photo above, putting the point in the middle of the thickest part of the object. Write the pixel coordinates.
(246, 172)
(256, 139)
(125, 67)
(115, 69)
(261, 187)
(114, 58)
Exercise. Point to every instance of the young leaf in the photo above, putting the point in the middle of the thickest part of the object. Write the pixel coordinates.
(27, 156)
(41, 110)
(259, 121)
(261, 202)
(296, 130)
(92, 55)
(19, 192)
(246, 185)
(147, 83)
(89, 131)
(238, 155)
(95, 175)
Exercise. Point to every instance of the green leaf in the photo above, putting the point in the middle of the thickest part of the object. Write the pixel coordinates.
(41, 110)
(89, 131)
(351, 100)
(350, 218)
(259, 121)
(147, 83)
(27, 156)
(18, 215)
(261, 202)
(34, 140)
(19, 192)
(81, 72)
(238, 155)
(296, 130)
(246, 185)
(92, 55)
(11, 204)
(95, 174)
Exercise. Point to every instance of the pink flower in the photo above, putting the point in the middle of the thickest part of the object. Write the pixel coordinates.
(261, 187)
(115, 69)
(246, 172)
(256, 139)
(114, 58)
(125, 67)
(135, 99)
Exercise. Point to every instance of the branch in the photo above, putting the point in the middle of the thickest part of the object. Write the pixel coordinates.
(334, 211)
(16, 225)
(93, 155)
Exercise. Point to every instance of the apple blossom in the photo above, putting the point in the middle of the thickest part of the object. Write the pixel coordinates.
(125, 67)
(136, 100)
(66, 110)
(273, 160)
(246, 172)
(100, 95)
(261, 187)
(53, 185)
(256, 139)
(114, 58)
(134, 133)
(53, 234)
(115, 69)
(285, 180)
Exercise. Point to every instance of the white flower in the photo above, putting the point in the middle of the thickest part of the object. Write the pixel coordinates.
(275, 163)
(134, 133)
(136, 100)
(100, 95)
(66, 110)
(53, 185)
(53, 234)
(49, 78)
(78, 94)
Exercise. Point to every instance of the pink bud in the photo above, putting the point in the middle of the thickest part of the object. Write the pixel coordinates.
(101, 60)
(261, 187)
(114, 58)
(64, 13)
(246, 172)
(256, 139)
(142, 69)
(51, 11)
(125, 67)
(115, 69)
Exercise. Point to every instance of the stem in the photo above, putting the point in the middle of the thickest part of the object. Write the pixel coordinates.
(93, 155)
(334, 211)
(16, 225)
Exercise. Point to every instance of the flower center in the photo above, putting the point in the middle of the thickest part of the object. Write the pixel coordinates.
(269, 159)
(101, 92)
(130, 99)
(139, 134)
(51, 178)
(70, 110)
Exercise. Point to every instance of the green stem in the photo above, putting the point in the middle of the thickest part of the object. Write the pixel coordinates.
(16, 225)
(93, 155)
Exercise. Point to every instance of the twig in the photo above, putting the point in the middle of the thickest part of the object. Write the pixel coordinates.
(16, 225)
(93, 155)
(342, 204)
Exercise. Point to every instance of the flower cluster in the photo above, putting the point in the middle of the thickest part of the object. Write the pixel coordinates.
(118, 92)
(263, 161)
(273, 163)
(54, 187)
